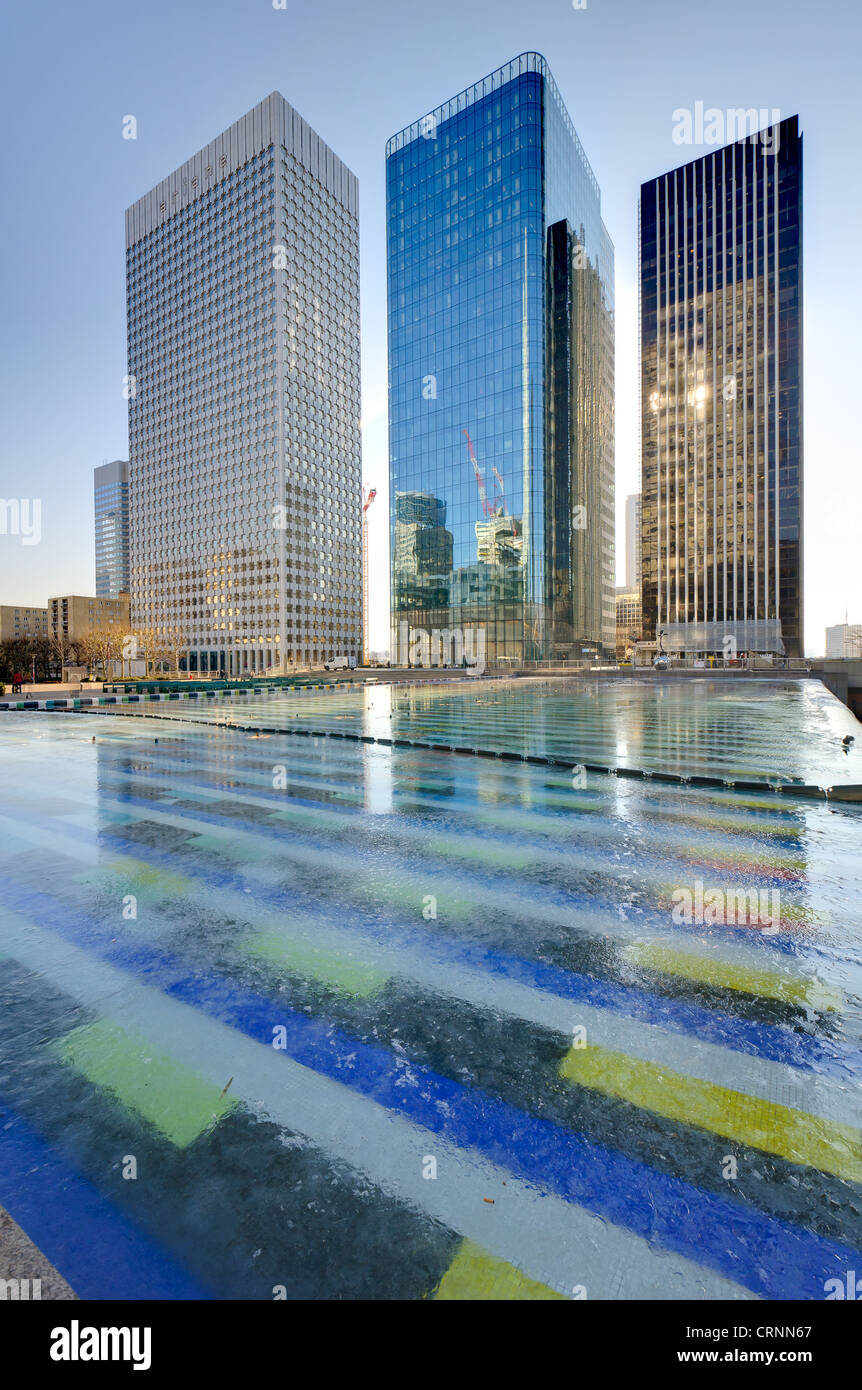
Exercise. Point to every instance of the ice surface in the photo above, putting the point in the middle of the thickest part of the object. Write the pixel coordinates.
(384, 1022)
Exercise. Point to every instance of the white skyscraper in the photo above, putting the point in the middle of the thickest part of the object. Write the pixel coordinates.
(844, 641)
(244, 400)
(633, 541)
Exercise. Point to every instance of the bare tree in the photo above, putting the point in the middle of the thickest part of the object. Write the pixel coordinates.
(62, 650)
(42, 653)
(87, 651)
(176, 646)
(14, 656)
(151, 645)
(110, 637)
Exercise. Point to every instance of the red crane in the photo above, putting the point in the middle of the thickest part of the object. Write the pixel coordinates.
(480, 481)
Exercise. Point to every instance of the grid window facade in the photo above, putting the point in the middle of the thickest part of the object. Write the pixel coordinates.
(26, 623)
(244, 404)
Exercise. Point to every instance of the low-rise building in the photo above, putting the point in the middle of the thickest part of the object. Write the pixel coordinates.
(18, 622)
(75, 616)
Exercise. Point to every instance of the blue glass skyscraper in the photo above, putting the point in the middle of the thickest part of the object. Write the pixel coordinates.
(501, 374)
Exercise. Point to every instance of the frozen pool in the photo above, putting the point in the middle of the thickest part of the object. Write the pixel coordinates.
(764, 730)
(313, 1017)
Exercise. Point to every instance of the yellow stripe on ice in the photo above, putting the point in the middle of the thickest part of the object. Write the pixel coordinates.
(476, 1276)
(346, 973)
(760, 1124)
(172, 1097)
(128, 874)
(767, 984)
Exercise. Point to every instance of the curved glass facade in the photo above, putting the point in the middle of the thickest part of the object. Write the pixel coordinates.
(500, 374)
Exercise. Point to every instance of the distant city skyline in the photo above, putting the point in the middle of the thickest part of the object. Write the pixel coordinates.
(357, 77)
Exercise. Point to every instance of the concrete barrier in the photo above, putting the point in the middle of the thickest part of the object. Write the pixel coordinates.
(846, 793)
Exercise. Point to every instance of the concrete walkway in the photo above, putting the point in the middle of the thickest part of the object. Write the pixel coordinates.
(25, 1273)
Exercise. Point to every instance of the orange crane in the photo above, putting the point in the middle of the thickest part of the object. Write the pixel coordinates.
(368, 496)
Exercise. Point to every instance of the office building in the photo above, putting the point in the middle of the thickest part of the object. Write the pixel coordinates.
(721, 395)
(75, 616)
(111, 508)
(844, 641)
(629, 620)
(501, 346)
(244, 405)
(18, 623)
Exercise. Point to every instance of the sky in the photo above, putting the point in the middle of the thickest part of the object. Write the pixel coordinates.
(70, 74)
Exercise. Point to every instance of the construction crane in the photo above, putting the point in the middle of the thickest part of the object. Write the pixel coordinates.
(495, 470)
(368, 496)
(480, 481)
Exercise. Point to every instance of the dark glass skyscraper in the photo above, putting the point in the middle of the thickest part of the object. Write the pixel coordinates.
(501, 373)
(721, 384)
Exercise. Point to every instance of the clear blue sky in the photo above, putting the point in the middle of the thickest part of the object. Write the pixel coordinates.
(357, 73)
